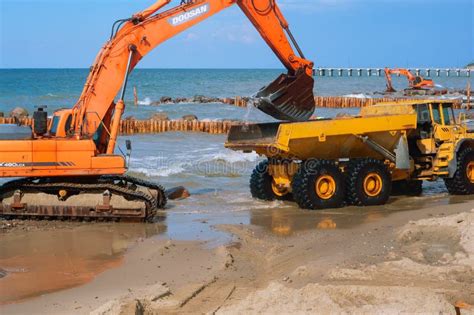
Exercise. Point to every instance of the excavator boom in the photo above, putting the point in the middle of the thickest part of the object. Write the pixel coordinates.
(290, 97)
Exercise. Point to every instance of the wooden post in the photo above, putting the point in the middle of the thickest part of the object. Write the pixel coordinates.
(468, 94)
(135, 96)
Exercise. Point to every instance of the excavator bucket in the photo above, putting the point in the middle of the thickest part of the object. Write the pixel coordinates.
(289, 97)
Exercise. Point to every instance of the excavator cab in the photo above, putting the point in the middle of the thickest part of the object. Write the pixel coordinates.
(60, 123)
(289, 97)
(421, 83)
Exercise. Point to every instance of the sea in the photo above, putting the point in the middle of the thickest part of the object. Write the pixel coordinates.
(217, 178)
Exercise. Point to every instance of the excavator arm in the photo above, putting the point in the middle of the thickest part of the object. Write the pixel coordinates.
(289, 97)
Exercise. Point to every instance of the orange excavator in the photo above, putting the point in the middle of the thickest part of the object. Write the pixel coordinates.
(414, 82)
(67, 166)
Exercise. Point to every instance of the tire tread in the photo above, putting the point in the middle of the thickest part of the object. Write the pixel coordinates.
(303, 190)
(457, 185)
(353, 172)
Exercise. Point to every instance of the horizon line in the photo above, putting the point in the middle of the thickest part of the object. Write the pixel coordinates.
(243, 68)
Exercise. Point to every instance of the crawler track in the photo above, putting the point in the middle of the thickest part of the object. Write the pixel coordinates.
(96, 198)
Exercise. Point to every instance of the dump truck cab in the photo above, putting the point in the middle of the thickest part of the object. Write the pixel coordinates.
(389, 147)
(438, 137)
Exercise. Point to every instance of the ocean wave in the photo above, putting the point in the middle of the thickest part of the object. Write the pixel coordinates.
(51, 96)
(269, 205)
(154, 158)
(211, 119)
(207, 162)
(146, 102)
(160, 172)
(231, 157)
(360, 95)
(450, 97)
(202, 205)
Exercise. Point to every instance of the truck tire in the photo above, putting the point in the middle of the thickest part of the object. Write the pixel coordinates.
(318, 184)
(462, 182)
(407, 188)
(368, 182)
(262, 186)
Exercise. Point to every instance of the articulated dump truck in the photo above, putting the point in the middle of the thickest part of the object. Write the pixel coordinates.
(389, 148)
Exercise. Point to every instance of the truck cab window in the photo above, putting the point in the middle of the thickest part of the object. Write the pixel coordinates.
(448, 114)
(436, 113)
(424, 125)
(423, 114)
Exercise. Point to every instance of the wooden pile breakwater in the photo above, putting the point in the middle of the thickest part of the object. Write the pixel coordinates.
(354, 102)
(345, 102)
(133, 126)
(349, 102)
(130, 127)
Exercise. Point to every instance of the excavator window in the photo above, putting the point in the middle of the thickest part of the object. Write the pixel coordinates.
(67, 127)
(54, 125)
(98, 135)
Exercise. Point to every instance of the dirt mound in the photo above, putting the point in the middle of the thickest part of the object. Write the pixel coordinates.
(342, 299)
(441, 240)
(430, 269)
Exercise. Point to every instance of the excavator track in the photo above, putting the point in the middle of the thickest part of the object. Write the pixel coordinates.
(98, 198)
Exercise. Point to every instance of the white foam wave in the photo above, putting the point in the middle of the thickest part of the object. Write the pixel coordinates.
(450, 97)
(211, 119)
(254, 206)
(231, 157)
(160, 172)
(147, 159)
(360, 95)
(145, 102)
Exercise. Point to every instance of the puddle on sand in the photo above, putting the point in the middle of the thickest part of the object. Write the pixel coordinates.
(39, 262)
(289, 220)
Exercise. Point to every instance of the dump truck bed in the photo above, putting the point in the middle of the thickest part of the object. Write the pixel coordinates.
(325, 139)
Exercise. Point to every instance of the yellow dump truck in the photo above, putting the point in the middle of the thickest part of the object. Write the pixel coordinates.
(360, 160)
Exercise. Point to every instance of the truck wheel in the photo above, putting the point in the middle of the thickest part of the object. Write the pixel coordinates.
(407, 188)
(318, 185)
(463, 181)
(263, 187)
(368, 182)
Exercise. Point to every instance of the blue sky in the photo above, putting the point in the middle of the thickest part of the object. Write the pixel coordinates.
(342, 33)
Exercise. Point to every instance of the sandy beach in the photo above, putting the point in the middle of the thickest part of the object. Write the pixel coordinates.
(378, 262)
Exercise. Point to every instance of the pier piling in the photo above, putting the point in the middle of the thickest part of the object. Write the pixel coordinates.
(379, 72)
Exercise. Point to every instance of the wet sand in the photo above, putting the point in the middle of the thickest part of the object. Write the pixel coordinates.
(266, 254)
(43, 257)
